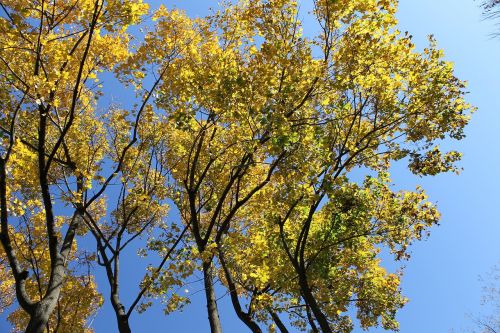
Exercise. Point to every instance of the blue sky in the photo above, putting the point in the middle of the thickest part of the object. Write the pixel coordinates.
(441, 278)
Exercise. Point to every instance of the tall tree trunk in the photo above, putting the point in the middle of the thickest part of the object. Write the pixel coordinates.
(39, 318)
(121, 314)
(41, 311)
(313, 305)
(213, 312)
(278, 321)
(123, 325)
(245, 317)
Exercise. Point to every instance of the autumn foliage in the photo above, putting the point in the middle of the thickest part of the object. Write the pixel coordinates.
(245, 149)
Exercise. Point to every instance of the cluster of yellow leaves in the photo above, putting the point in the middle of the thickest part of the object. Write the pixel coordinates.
(7, 293)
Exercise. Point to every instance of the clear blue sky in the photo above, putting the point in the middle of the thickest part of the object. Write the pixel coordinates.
(441, 278)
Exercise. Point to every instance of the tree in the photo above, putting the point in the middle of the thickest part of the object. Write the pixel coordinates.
(491, 10)
(55, 142)
(252, 130)
(249, 100)
(489, 322)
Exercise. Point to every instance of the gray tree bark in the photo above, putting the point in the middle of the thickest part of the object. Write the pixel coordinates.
(213, 312)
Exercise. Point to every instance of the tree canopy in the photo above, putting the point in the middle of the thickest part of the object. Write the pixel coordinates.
(274, 149)
(491, 10)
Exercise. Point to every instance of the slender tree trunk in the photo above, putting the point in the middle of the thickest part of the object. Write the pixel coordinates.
(278, 321)
(310, 318)
(121, 314)
(123, 325)
(245, 317)
(247, 320)
(213, 312)
(313, 305)
(41, 311)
